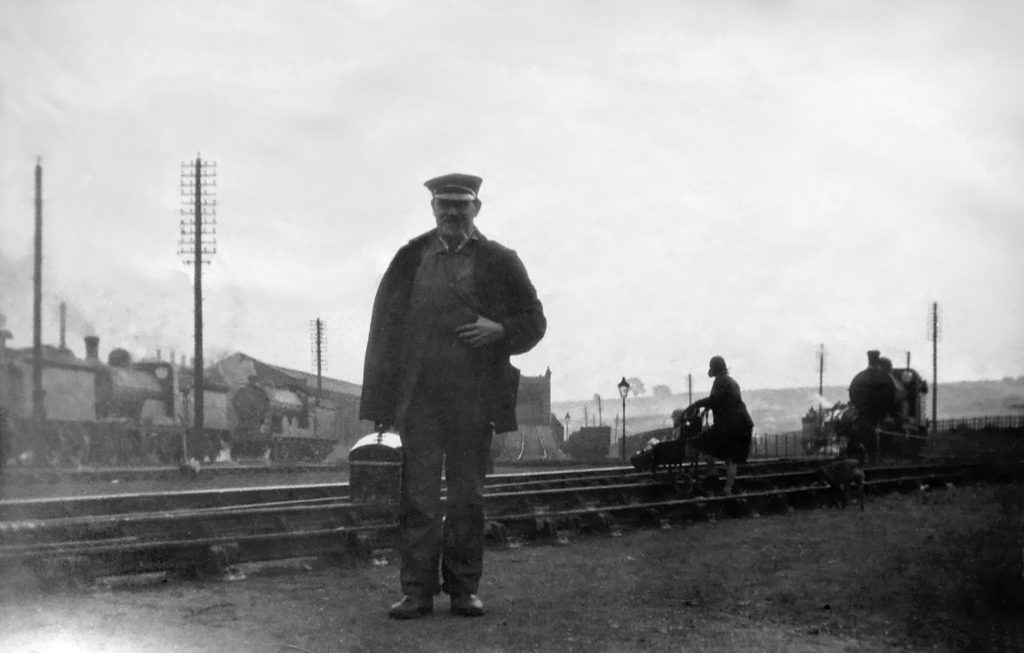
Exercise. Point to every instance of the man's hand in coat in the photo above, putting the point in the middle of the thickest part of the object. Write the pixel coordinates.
(480, 333)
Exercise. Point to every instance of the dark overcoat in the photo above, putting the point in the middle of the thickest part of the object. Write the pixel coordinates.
(506, 296)
(730, 436)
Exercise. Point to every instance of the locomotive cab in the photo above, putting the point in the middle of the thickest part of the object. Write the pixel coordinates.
(912, 402)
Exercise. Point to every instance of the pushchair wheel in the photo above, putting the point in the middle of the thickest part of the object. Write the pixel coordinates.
(683, 483)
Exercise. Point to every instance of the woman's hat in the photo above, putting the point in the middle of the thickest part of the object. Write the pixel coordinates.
(717, 366)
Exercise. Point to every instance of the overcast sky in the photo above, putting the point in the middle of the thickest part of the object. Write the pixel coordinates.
(681, 179)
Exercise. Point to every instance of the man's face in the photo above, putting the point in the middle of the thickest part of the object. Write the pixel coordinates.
(455, 217)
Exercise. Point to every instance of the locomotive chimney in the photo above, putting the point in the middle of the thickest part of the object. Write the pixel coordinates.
(92, 348)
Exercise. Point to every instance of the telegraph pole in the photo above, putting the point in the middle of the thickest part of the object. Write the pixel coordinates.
(318, 345)
(689, 388)
(935, 334)
(197, 243)
(821, 382)
(38, 407)
(63, 326)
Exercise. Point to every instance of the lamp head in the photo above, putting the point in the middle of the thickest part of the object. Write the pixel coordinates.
(623, 387)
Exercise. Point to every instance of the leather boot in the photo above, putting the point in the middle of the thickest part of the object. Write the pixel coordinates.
(467, 605)
(411, 607)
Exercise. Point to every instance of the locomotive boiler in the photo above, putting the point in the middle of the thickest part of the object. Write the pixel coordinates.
(277, 423)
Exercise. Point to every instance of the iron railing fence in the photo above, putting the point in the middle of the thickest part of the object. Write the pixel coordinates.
(978, 423)
(790, 444)
(799, 444)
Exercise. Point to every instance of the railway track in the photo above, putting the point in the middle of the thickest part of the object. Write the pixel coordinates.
(209, 531)
(125, 502)
(15, 475)
(18, 475)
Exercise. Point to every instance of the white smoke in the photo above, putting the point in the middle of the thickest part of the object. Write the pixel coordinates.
(825, 402)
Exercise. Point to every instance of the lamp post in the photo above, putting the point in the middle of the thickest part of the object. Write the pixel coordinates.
(568, 417)
(623, 391)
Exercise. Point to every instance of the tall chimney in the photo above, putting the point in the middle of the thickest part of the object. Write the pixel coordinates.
(63, 325)
(92, 348)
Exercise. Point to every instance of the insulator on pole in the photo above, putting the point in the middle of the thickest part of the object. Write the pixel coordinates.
(197, 243)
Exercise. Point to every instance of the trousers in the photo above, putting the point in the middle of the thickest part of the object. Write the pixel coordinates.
(443, 433)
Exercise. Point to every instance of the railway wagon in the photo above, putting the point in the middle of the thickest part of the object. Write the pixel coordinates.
(589, 443)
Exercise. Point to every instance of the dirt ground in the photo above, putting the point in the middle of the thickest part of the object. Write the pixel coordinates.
(930, 571)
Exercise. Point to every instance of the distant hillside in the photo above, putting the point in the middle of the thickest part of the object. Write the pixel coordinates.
(780, 410)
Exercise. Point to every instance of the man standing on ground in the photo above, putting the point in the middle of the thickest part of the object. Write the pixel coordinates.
(450, 310)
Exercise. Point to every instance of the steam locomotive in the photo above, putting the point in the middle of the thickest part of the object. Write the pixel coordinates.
(124, 412)
(902, 434)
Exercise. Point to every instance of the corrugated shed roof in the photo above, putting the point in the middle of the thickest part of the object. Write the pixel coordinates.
(327, 383)
(212, 380)
(283, 376)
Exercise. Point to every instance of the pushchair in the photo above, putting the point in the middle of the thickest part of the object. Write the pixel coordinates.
(676, 461)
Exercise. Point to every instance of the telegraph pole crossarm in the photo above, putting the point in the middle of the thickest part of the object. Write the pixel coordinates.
(197, 243)
(318, 351)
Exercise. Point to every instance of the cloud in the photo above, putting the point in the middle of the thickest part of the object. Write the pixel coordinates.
(744, 179)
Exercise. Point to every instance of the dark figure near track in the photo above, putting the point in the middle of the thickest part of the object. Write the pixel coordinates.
(844, 475)
(450, 310)
(873, 395)
(729, 437)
